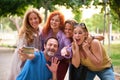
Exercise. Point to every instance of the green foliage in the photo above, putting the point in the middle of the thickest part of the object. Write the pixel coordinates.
(96, 22)
(12, 7)
(6, 22)
(115, 6)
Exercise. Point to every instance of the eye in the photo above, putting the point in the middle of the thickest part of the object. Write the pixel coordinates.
(49, 44)
(80, 33)
(57, 20)
(55, 46)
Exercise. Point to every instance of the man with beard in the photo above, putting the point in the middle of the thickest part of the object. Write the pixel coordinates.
(41, 65)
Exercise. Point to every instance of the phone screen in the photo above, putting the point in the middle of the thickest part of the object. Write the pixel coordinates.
(28, 50)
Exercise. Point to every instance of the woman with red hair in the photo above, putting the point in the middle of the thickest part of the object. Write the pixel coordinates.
(54, 28)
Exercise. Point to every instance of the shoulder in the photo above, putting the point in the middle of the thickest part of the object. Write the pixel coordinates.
(95, 42)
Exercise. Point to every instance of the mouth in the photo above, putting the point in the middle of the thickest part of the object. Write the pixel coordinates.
(77, 40)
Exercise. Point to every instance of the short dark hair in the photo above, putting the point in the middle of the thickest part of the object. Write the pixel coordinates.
(51, 38)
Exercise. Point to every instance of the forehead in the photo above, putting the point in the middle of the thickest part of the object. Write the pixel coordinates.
(52, 41)
(68, 25)
(78, 28)
(56, 17)
(32, 14)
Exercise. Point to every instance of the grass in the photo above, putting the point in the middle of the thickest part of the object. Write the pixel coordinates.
(6, 45)
(114, 53)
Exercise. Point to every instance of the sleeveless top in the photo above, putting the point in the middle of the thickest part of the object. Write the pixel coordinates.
(105, 64)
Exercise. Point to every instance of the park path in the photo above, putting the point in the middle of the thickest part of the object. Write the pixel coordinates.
(5, 59)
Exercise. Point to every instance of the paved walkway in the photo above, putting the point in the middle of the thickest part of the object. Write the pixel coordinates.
(5, 59)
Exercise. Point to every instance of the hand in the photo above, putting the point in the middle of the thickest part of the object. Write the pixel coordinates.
(89, 39)
(86, 48)
(85, 45)
(75, 47)
(54, 65)
(64, 51)
(21, 54)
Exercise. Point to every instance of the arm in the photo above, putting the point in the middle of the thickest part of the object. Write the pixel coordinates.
(94, 52)
(76, 54)
(98, 37)
(53, 67)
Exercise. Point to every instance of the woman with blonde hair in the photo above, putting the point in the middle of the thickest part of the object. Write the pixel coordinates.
(28, 37)
(90, 54)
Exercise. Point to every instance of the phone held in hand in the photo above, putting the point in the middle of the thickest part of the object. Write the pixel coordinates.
(28, 50)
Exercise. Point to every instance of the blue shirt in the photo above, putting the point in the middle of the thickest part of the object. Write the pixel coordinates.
(35, 69)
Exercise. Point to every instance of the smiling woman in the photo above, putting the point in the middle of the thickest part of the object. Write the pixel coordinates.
(90, 54)
(28, 37)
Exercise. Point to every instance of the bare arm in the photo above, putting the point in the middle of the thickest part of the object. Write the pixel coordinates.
(98, 37)
(95, 53)
(76, 55)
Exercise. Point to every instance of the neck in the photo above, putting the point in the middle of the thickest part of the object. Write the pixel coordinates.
(55, 32)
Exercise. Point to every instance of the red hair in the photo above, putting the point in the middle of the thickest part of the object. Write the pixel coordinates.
(47, 27)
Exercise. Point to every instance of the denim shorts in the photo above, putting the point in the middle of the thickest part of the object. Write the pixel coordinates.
(106, 74)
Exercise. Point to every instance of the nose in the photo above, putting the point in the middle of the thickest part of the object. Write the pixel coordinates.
(52, 46)
(77, 35)
(67, 30)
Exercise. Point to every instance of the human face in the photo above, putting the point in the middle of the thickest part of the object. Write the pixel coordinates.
(79, 35)
(55, 22)
(51, 47)
(33, 20)
(68, 30)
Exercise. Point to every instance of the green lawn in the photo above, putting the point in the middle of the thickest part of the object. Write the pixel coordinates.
(114, 53)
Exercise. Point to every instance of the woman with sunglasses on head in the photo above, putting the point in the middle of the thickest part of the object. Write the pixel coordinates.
(68, 31)
(69, 27)
(28, 37)
(90, 54)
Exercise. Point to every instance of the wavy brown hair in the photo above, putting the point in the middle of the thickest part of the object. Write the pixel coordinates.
(26, 29)
(47, 27)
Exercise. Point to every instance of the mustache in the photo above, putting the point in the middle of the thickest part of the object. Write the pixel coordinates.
(51, 50)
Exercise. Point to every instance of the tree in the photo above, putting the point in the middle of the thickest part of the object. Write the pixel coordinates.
(18, 7)
(13, 7)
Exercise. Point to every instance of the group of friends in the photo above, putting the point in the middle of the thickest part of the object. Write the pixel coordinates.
(57, 45)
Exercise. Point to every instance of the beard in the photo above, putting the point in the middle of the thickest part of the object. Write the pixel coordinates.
(50, 54)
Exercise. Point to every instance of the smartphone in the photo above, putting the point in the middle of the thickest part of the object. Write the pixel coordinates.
(28, 50)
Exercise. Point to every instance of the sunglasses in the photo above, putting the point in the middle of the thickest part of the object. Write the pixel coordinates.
(81, 25)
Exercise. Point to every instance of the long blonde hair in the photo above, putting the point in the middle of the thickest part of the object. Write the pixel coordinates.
(26, 29)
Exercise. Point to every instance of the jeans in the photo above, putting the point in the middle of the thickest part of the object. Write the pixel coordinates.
(106, 74)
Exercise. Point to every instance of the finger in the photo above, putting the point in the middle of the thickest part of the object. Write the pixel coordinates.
(52, 59)
(56, 60)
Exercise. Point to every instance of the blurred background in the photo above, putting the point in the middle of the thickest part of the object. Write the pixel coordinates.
(102, 17)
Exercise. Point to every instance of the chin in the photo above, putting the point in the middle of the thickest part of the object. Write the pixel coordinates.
(50, 54)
